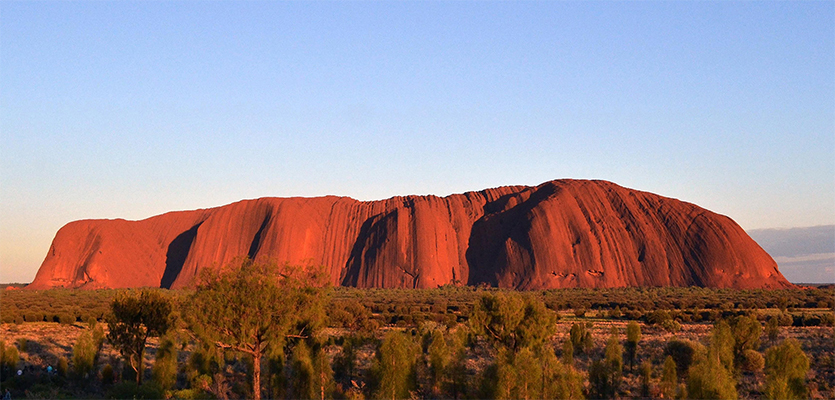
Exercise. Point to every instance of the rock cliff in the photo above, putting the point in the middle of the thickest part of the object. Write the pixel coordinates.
(560, 234)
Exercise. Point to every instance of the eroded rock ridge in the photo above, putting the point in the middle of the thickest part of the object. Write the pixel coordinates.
(560, 234)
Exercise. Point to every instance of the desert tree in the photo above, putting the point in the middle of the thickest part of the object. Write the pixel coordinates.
(164, 371)
(440, 358)
(605, 376)
(252, 306)
(711, 376)
(646, 375)
(580, 336)
(669, 378)
(512, 320)
(747, 331)
(708, 378)
(722, 343)
(394, 368)
(633, 336)
(772, 329)
(134, 318)
(567, 352)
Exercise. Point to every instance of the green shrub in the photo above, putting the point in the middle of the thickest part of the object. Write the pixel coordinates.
(786, 366)
(581, 339)
(130, 390)
(107, 376)
(671, 325)
(164, 371)
(683, 352)
(752, 361)
(633, 336)
(709, 379)
(658, 317)
(63, 366)
(84, 355)
(10, 356)
(23, 345)
(646, 375)
(393, 370)
(669, 378)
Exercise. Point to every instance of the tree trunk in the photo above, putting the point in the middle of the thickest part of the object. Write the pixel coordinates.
(139, 369)
(256, 372)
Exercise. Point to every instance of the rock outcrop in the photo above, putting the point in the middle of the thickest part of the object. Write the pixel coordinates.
(560, 234)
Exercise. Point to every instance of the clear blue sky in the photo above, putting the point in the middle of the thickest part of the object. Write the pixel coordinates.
(130, 109)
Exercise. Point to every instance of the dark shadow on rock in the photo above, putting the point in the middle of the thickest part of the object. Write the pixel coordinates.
(486, 252)
(256, 241)
(175, 258)
(371, 238)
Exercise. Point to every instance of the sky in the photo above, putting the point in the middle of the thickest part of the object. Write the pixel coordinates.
(131, 109)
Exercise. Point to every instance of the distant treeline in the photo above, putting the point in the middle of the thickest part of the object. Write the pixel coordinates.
(354, 308)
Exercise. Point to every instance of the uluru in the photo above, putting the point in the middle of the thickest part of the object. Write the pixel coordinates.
(559, 234)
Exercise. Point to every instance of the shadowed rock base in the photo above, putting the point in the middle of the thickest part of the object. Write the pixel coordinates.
(562, 233)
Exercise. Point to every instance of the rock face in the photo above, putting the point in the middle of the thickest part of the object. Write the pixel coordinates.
(560, 234)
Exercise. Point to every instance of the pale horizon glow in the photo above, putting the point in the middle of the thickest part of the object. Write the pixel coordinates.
(133, 109)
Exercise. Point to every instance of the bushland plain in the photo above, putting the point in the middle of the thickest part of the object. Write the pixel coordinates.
(450, 342)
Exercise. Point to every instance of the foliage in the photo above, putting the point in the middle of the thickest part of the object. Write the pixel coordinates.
(107, 375)
(302, 385)
(669, 378)
(772, 329)
(133, 320)
(250, 306)
(746, 331)
(9, 358)
(786, 366)
(440, 358)
(394, 368)
(633, 336)
(752, 361)
(646, 375)
(708, 378)
(84, 354)
(63, 366)
(605, 376)
(581, 339)
(529, 374)
(164, 371)
(567, 352)
(512, 319)
(722, 343)
(682, 353)
(132, 390)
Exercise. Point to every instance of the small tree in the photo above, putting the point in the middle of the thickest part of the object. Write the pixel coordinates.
(134, 319)
(646, 375)
(528, 371)
(772, 329)
(723, 344)
(512, 320)
(302, 373)
(248, 307)
(786, 366)
(605, 377)
(567, 352)
(581, 338)
(164, 371)
(708, 378)
(439, 359)
(84, 355)
(747, 331)
(394, 367)
(669, 378)
(633, 336)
